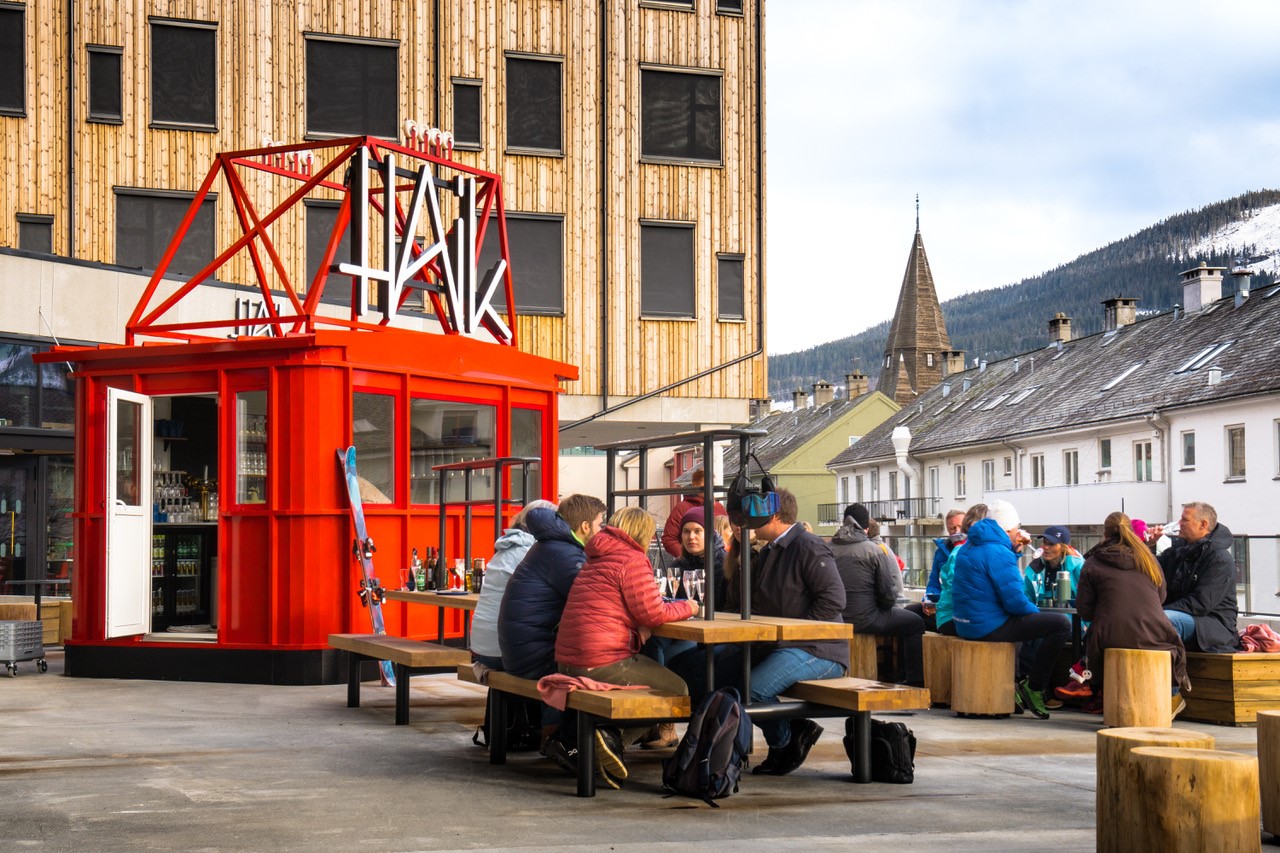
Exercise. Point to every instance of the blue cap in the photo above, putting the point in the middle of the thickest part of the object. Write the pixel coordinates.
(1056, 535)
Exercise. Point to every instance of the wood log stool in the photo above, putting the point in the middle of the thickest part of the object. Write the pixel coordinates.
(862, 657)
(982, 678)
(937, 667)
(1193, 800)
(1118, 816)
(1269, 769)
(1137, 689)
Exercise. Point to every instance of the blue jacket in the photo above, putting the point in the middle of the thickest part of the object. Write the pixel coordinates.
(987, 587)
(933, 588)
(535, 596)
(508, 552)
(1035, 581)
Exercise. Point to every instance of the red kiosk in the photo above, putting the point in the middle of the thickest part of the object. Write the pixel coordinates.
(211, 518)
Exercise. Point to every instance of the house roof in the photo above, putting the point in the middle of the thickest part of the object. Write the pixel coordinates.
(788, 432)
(1159, 363)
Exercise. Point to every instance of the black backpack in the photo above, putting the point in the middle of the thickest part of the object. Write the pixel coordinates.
(893, 751)
(524, 726)
(713, 752)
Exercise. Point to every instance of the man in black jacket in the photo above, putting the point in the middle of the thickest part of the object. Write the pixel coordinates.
(1201, 575)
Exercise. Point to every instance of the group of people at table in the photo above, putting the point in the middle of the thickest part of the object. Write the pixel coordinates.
(567, 592)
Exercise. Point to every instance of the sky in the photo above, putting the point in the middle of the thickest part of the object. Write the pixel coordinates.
(1033, 132)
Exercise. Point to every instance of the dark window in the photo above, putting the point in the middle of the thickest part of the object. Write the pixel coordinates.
(526, 440)
(680, 115)
(184, 79)
(729, 289)
(35, 233)
(666, 270)
(373, 433)
(145, 223)
(466, 114)
(536, 246)
(19, 396)
(13, 61)
(353, 88)
(731, 6)
(104, 84)
(322, 216)
(533, 104)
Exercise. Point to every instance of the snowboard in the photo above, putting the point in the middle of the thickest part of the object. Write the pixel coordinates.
(362, 550)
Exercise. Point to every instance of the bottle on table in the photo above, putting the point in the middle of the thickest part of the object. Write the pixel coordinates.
(417, 573)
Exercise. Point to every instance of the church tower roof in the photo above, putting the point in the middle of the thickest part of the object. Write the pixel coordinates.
(918, 340)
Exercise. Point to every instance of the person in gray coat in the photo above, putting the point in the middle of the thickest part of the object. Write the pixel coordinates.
(871, 580)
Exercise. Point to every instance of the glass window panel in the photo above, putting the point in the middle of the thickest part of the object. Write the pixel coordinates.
(533, 104)
(57, 397)
(444, 431)
(526, 440)
(35, 235)
(730, 293)
(680, 115)
(59, 529)
(13, 61)
(128, 455)
(146, 223)
(104, 85)
(353, 88)
(18, 394)
(1235, 452)
(666, 271)
(251, 447)
(184, 80)
(321, 219)
(536, 246)
(373, 432)
(466, 113)
(1188, 450)
(1104, 453)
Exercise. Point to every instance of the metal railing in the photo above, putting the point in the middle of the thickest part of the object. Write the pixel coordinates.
(898, 509)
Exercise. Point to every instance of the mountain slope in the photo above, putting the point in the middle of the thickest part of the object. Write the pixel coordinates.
(1011, 319)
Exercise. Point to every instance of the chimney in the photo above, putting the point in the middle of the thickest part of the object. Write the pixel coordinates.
(953, 362)
(1118, 311)
(1215, 375)
(799, 399)
(982, 366)
(1059, 328)
(1201, 287)
(967, 383)
(760, 407)
(857, 383)
(1240, 278)
(823, 393)
(946, 389)
(1017, 363)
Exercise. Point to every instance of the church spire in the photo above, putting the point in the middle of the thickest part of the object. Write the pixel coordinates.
(918, 340)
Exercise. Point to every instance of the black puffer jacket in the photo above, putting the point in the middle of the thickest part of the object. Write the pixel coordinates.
(535, 596)
(868, 574)
(687, 562)
(1202, 583)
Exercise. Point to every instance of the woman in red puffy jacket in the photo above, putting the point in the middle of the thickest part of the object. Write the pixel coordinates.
(612, 607)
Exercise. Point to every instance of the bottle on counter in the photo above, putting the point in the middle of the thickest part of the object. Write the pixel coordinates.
(433, 569)
(417, 573)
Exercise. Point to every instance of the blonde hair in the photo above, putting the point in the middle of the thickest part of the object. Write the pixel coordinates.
(1120, 528)
(636, 523)
(724, 528)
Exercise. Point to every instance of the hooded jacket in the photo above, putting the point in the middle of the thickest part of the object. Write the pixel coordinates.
(535, 596)
(508, 551)
(1125, 610)
(1036, 579)
(987, 587)
(868, 574)
(1202, 583)
(612, 600)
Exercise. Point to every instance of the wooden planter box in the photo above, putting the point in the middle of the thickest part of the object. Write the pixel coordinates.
(1232, 688)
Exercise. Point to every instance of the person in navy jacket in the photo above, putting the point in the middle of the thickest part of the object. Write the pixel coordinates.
(991, 604)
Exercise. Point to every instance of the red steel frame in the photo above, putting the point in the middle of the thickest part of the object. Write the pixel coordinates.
(288, 162)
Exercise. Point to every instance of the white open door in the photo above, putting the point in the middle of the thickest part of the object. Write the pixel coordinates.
(129, 481)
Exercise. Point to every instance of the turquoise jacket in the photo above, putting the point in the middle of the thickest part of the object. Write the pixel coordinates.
(1033, 580)
(945, 576)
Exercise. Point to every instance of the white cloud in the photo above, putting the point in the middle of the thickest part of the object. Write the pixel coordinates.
(1033, 131)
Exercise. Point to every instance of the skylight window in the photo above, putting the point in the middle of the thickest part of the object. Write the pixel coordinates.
(1023, 394)
(996, 402)
(1272, 292)
(1203, 357)
(1122, 377)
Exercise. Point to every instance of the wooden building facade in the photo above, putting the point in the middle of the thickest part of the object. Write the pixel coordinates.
(629, 134)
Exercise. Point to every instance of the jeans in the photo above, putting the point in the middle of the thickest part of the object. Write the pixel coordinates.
(663, 649)
(1054, 628)
(1184, 624)
(781, 669)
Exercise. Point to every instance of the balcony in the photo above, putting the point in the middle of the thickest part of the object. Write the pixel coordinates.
(1088, 503)
(899, 509)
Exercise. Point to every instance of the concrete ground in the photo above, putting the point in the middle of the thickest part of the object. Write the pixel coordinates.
(102, 765)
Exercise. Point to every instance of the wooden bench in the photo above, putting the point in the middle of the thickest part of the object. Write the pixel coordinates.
(1231, 689)
(409, 658)
(640, 707)
(860, 696)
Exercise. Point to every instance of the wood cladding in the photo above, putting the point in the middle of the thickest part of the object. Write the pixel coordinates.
(601, 184)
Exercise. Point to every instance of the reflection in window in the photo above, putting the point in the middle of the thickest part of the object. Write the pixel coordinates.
(441, 432)
(128, 447)
(526, 440)
(18, 394)
(373, 432)
(251, 447)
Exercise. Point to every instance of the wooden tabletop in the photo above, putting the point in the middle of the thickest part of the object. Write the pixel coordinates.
(466, 601)
(732, 628)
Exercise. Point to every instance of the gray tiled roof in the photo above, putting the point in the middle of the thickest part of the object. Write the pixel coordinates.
(1047, 391)
(788, 432)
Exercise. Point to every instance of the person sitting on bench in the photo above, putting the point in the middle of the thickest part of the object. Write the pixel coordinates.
(1202, 580)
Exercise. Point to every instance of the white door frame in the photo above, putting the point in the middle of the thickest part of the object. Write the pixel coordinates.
(128, 517)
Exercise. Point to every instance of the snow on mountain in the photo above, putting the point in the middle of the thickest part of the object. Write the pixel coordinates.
(1261, 231)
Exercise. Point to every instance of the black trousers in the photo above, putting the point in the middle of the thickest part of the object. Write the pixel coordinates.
(1053, 628)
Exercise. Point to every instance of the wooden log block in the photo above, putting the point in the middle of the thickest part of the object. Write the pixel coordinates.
(862, 656)
(937, 667)
(982, 678)
(1137, 689)
(1193, 800)
(1117, 811)
(1269, 769)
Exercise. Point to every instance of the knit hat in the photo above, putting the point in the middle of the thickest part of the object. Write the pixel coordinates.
(696, 515)
(1139, 528)
(1003, 513)
(860, 514)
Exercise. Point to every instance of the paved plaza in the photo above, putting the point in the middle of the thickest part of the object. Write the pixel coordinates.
(104, 765)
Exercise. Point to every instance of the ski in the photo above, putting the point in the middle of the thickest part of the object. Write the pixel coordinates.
(362, 548)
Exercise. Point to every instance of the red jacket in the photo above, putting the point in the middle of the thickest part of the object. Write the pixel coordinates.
(613, 597)
(671, 530)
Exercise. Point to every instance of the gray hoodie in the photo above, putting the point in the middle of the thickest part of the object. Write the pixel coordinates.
(870, 578)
